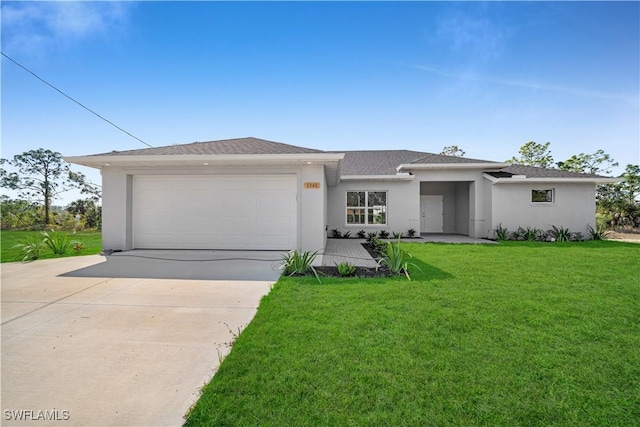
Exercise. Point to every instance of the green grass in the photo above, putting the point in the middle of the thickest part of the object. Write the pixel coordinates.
(515, 334)
(9, 239)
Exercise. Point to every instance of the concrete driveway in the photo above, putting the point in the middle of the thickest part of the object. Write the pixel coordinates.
(111, 350)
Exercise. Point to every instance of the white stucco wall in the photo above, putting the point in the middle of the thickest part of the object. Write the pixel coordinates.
(574, 206)
(117, 204)
(311, 218)
(465, 212)
(403, 206)
(116, 213)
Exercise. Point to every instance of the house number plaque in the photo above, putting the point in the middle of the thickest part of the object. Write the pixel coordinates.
(314, 185)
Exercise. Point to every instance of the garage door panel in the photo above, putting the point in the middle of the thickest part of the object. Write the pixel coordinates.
(234, 203)
(274, 225)
(267, 241)
(236, 241)
(195, 241)
(215, 212)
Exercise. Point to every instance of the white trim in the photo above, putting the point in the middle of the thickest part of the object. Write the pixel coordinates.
(396, 177)
(198, 159)
(585, 180)
(419, 166)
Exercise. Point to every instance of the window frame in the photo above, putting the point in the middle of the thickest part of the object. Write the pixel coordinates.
(366, 208)
(540, 202)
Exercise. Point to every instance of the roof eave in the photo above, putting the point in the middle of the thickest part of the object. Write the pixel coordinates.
(567, 180)
(428, 166)
(114, 160)
(396, 177)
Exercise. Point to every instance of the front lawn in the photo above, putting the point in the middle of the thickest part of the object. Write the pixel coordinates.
(512, 334)
(92, 241)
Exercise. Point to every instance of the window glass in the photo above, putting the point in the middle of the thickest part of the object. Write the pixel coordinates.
(355, 216)
(367, 207)
(377, 198)
(542, 196)
(355, 198)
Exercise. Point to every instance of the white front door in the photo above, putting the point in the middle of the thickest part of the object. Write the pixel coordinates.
(431, 212)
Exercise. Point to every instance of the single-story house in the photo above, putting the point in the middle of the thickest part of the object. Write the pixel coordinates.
(249, 193)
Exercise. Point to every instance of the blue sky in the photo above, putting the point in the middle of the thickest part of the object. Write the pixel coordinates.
(487, 77)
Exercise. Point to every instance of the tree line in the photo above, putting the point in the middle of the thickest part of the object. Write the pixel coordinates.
(40, 177)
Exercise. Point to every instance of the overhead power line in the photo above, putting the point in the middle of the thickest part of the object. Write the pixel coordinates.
(73, 99)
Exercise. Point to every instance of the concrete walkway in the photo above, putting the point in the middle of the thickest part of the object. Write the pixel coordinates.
(104, 351)
(347, 250)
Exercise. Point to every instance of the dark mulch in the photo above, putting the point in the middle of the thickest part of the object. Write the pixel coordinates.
(363, 272)
(370, 248)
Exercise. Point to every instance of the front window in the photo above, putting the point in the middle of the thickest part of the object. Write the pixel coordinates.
(542, 196)
(366, 207)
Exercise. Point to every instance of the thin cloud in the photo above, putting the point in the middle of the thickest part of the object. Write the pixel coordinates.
(530, 85)
(473, 33)
(33, 27)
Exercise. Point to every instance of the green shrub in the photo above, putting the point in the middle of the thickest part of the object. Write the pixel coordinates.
(396, 235)
(57, 242)
(346, 235)
(502, 233)
(531, 234)
(362, 234)
(560, 234)
(598, 233)
(411, 232)
(336, 233)
(371, 235)
(346, 269)
(378, 245)
(384, 234)
(396, 259)
(603, 221)
(295, 263)
(31, 248)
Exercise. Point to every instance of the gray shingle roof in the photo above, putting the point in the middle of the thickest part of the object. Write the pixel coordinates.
(379, 162)
(361, 162)
(440, 158)
(385, 162)
(535, 172)
(248, 145)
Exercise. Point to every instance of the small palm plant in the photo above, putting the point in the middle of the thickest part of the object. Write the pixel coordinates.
(531, 233)
(57, 242)
(396, 259)
(397, 235)
(346, 269)
(295, 263)
(598, 233)
(31, 248)
(560, 234)
(502, 233)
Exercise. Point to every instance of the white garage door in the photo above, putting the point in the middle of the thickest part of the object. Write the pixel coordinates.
(214, 212)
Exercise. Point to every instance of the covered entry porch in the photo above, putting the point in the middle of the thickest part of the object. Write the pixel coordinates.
(445, 207)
